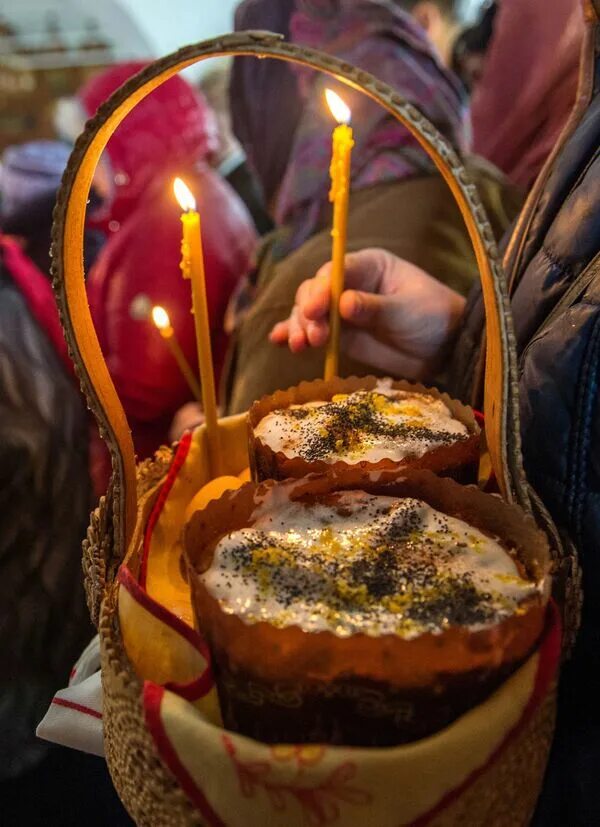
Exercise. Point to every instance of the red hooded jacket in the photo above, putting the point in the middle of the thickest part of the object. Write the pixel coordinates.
(172, 132)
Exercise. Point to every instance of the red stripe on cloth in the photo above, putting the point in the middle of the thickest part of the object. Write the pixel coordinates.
(153, 696)
(201, 685)
(128, 581)
(549, 657)
(196, 689)
(178, 460)
(85, 710)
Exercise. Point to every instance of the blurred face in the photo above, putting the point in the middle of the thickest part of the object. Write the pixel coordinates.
(472, 69)
(215, 88)
(103, 181)
(69, 122)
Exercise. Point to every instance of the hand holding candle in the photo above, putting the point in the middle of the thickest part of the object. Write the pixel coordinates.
(160, 317)
(192, 267)
(339, 195)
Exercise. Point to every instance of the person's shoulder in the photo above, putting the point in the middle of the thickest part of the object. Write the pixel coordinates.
(479, 167)
(485, 173)
(501, 198)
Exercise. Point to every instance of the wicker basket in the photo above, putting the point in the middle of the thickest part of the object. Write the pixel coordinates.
(505, 790)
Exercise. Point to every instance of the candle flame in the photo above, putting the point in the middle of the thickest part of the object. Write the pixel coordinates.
(183, 195)
(340, 111)
(160, 317)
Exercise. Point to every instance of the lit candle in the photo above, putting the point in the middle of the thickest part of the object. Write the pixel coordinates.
(339, 195)
(160, 317)
(192, 267)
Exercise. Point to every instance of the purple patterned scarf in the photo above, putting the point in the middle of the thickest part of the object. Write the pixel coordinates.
(378, 37)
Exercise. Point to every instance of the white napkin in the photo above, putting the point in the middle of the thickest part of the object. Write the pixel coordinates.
(74, 718)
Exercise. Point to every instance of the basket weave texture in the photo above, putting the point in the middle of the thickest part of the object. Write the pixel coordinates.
(504, 794)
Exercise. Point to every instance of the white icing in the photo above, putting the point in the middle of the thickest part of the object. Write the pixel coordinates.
(320, 569)
(282, 432)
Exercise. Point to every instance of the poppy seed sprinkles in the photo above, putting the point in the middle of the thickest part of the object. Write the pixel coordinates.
(359, 563)
(366, 425)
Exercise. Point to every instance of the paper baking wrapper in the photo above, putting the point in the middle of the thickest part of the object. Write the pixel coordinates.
(284, 684)
(484, 769)
(267, 464)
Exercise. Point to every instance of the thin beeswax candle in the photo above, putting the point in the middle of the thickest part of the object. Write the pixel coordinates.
(339, 195)
(192, 267)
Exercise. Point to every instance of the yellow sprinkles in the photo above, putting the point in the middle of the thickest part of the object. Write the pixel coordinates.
(362, 563)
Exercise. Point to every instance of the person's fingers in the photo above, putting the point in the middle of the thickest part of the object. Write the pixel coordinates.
(364, 270)
(317, 333)
(306, 288)
(365, 309)
(297, 340)
(362, 346)
(314, 296)
(279, 333)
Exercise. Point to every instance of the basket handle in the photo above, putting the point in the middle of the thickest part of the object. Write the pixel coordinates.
(500, 397)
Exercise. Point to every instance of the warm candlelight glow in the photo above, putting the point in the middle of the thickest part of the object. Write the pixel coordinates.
(160, 317)
(192, 268)
(339, 194)
(340, 111)
(183, 195)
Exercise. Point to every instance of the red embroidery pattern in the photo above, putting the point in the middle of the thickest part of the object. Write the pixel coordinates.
(177, 464)
(319, 803)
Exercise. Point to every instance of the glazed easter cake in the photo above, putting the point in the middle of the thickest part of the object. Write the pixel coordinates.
(363, 617)
(327, 427)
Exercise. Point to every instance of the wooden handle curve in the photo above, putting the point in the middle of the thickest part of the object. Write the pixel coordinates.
(501, 408)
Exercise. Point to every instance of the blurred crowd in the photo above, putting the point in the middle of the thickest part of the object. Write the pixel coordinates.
(252, 141)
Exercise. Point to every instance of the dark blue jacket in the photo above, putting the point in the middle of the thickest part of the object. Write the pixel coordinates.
(553, 270)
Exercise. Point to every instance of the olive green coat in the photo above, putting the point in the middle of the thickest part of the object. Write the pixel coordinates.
(416, 219)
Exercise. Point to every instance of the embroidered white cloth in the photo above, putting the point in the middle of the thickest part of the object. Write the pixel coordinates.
(74, 718)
